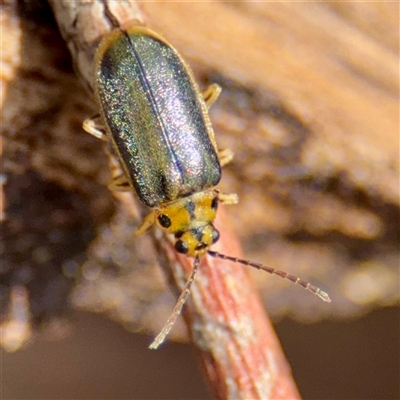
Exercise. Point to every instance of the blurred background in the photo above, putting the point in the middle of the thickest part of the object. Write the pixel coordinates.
(310, 108)
(100, 360)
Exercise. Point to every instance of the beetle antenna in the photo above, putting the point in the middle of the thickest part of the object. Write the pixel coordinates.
(306, 285)
(177, 309)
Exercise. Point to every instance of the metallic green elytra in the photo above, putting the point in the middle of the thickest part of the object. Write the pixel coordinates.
(157, 120)
(156, 116)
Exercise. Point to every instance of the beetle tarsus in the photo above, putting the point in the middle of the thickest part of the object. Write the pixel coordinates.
(225, 156)
(94, 126)
(120, 184)
(228, 198)
(211, 94)
(146, 224)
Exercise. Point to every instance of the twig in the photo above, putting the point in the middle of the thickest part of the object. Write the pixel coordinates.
(240, 352)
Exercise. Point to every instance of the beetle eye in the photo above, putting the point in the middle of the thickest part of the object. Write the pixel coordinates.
(215, 236)
(214, 203)
(164, 221)
(181, 247)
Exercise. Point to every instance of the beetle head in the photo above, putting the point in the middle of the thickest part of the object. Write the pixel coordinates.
(190, 220)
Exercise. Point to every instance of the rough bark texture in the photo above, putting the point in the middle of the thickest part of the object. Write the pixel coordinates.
(310, 108)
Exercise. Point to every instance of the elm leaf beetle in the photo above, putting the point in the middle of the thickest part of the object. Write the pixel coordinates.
(157, 120)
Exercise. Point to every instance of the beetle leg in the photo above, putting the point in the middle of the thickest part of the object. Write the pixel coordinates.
(231, 198)
(120, 184)
(94, 127)
(119, 181)
(210, 95)
(146, 224)
(225, 156)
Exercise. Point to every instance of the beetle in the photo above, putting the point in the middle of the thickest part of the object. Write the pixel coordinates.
(152, 111)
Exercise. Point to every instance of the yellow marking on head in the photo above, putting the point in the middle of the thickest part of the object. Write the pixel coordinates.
(190, 220)
(176, 213)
